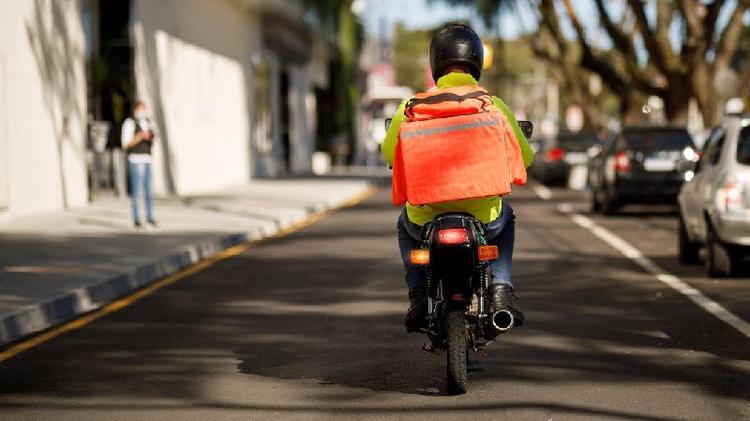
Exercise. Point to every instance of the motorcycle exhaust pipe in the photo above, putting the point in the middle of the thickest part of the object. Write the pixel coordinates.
(503, 321)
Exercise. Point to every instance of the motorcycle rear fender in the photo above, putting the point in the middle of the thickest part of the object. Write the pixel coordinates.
(454, 266)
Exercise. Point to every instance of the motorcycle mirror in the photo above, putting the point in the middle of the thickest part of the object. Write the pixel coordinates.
(527, 128)
(388, 123)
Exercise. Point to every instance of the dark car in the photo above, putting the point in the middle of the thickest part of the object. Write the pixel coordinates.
(555, 158)
(641, 165)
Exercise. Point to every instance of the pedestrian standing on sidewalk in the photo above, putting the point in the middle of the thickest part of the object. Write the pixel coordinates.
(137, 139)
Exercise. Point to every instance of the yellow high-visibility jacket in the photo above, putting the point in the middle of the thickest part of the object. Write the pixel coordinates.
(486, 209)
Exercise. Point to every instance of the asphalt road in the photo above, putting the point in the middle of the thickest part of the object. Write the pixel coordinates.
(310, 327)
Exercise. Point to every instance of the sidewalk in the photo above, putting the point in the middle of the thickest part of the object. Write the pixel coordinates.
(56, 266)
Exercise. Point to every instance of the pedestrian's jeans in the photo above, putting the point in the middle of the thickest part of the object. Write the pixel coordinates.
(140, 184)
(500, 232)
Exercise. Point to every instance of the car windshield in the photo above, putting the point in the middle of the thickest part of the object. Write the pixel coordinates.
(743, 147)
(658, 139)
(576, 142)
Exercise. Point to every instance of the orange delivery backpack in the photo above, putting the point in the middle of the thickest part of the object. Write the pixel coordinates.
(454, 145)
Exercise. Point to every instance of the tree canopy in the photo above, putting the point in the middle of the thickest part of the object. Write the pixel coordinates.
(645, 58)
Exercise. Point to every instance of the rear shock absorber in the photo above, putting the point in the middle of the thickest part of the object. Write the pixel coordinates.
(483, 282)
(482, 290)
(431, 294)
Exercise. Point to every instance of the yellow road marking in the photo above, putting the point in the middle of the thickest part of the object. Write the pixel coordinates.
(151, 288)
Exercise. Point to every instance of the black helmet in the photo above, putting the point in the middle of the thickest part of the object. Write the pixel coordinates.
(456, 43)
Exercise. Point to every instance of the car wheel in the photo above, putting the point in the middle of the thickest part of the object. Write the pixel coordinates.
(718, 261)
(596, 205)
(609, 204)
(688, 250)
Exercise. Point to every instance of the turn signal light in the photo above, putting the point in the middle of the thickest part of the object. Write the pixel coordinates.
(453, 236)
(420, 257)
(488, 253)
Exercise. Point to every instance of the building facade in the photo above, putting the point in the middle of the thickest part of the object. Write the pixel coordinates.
(43, 110)
(229, 85)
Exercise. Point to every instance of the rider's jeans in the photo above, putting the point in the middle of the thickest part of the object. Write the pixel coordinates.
(500, 232)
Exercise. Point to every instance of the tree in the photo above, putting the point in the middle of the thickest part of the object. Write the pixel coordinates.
(743, 58)
(409, 56)
(410, 59)
(489, 10)
(674, 71)
(347, 34)
(563, 58)
(674, 74)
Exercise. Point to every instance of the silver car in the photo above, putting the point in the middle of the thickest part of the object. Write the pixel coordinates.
(715, 202)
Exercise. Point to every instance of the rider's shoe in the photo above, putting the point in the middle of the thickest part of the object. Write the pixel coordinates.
(416, 316)
(503, 298)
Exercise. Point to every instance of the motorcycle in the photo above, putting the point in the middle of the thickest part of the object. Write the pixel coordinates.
(456, 257)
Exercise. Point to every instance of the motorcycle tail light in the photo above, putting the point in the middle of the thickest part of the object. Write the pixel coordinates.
(420, 257)
(622, 162)
(554, 155)
(488, 253)
(453, 236)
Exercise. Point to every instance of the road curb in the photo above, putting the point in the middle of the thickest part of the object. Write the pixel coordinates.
(75, 302)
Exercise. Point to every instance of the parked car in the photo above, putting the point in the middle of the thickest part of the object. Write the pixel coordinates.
(641, 165)
(715, 204)
(556, 157)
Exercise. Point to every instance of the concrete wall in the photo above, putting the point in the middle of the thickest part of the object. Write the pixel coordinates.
(42, 106)
(193, 66)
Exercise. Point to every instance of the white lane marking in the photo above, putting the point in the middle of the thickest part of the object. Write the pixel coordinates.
(542, 191)
(663, 276)
(565, 208)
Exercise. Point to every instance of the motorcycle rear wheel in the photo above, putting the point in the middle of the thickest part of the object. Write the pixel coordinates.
(455, 326)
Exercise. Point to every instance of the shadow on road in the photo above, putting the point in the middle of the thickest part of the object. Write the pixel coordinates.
(326, 304)
(397, 410)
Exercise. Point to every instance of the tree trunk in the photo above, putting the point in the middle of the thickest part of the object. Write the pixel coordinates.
(701, 84)
(630, 110)
(676, 100)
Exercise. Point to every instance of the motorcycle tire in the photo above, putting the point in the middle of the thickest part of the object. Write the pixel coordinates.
(456, 336)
